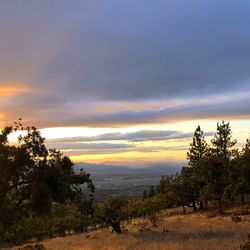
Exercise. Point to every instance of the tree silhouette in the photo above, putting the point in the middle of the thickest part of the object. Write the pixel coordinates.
(34, 177)
(198, 148)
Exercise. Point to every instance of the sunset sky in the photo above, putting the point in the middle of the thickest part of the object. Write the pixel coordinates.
(125, 82)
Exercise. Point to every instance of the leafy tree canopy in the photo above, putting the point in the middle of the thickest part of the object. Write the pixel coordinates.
(33, 177)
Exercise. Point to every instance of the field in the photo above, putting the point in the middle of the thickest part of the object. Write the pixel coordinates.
(190, 232)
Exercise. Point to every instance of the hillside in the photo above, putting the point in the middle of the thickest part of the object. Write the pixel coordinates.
(188, 232)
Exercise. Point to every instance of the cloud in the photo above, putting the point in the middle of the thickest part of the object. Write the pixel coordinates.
(229, 106)
(12, 90)
(98, 146)
(234, 107)
(94, 145)
(202, 51)
(102, 151)
(71, 54)
(139, 136)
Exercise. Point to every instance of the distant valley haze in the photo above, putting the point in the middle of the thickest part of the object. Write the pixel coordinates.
(123, 180)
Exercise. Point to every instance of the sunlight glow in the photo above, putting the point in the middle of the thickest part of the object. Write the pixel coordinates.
(240, 131)
(12, 90)
(141, 152)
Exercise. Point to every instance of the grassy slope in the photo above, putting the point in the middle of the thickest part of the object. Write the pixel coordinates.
(191, 232)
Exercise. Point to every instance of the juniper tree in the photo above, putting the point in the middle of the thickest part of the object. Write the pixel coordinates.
(113, 212)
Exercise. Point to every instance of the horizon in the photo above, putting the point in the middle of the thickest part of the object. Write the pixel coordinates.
(125, 83)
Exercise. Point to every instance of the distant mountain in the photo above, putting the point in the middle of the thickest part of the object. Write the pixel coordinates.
(102, 169)
(164, 169)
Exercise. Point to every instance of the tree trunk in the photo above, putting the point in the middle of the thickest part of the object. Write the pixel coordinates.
(220, 206)
(194, 206)
(201, 205)
(116, 227)
(243, 199)
(183, 209)
(205, 204)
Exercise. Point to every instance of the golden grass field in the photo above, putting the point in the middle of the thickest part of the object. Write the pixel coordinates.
(192, 231)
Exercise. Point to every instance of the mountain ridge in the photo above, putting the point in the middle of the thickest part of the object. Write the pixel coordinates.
(162, 169)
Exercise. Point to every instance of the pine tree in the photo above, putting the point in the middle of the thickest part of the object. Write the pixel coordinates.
(197, 172)
(151, 192)
(161, 186)
(219, 163)
(223, 142)
(240, 175)
(198, 148)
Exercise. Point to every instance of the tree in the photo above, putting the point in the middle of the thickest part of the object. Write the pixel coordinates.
(215, 173)
(167, 190)
(151, 192)
(223, 142)
(189, 187)
(113, 211)
(216, 180)
(240, 175)
(34, 177)
(161, 186)
(145, 194)
(219, 160)
(198, 148)
(196, 155)
(245, 171)
(151, 206)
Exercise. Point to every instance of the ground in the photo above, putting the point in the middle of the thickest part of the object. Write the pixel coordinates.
(190, 232)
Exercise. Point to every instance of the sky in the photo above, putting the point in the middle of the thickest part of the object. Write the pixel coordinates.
(125, 82)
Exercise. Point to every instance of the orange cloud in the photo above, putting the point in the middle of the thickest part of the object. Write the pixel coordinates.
(12, 90)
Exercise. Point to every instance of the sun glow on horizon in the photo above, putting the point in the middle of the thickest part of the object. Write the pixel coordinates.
(174, 148)
(70, 141)
(9, 91)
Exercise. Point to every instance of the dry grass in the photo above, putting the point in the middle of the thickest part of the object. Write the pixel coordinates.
(189, 232)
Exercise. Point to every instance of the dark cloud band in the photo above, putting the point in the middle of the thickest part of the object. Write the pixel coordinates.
(69, 54)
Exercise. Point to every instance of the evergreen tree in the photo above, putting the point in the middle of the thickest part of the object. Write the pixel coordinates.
(151, 192)
(223, 142)
(197, 173)
(240, 175)
(218, 162)
(198, 148)
(145, 194)
(161, 186)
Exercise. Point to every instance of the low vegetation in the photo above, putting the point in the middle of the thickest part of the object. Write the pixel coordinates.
(174, 231)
